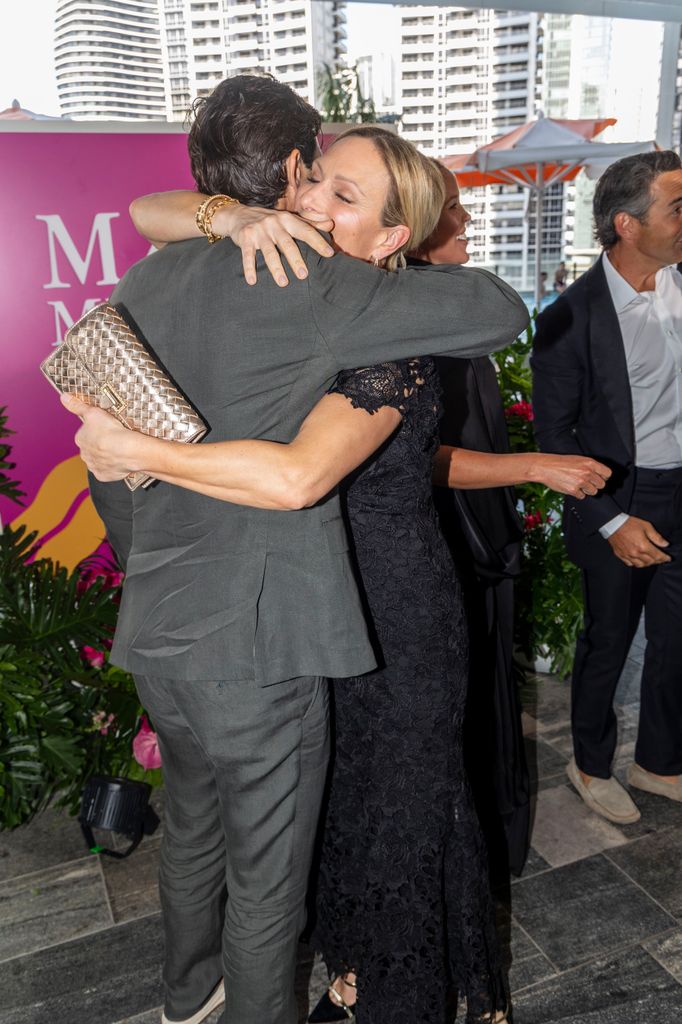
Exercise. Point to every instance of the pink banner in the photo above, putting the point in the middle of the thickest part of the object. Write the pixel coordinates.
(67, 239)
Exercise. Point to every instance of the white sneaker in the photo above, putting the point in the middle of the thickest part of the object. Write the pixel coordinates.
(213, 1002)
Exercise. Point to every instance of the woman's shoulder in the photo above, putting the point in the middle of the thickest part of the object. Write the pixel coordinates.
(393, 383)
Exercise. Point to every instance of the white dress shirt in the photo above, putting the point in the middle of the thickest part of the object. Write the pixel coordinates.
(651, 326)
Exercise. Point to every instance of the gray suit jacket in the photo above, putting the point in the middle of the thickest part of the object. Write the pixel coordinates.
(219, 591)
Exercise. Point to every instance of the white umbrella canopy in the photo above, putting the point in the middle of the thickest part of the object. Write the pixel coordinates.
(538, 154)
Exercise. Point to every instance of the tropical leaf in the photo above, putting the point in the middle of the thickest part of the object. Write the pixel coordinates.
(340, 96)
(9, 488)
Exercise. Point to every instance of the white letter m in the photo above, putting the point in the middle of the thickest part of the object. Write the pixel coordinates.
(100, 232)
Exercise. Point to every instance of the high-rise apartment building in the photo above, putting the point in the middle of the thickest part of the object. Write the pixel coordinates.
(467, 76)
(205, 40)
(108, 60)
(600, 67)
(148, 59)
(378, 77)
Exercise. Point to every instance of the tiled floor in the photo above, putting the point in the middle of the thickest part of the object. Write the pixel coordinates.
(594, 935)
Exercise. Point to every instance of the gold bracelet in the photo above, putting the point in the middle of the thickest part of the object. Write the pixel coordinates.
(205, 212)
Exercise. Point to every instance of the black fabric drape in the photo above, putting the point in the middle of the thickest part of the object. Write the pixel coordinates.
(484, 534)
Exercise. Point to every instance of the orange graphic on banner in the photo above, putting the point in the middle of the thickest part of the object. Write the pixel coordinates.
(79, 538)
(58, 493)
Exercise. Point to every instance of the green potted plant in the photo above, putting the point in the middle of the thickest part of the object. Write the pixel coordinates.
(65, 711)
(548, 594)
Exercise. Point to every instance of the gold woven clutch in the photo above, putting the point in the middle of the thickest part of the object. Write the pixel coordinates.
(104, 363)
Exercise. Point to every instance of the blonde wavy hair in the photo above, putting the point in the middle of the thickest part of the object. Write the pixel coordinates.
(416, 193)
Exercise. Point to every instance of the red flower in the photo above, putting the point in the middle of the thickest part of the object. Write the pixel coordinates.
(524, 410)
(93, 656)
(111, 579)
(532, 519)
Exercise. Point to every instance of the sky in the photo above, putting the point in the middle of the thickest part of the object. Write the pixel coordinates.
(372, 28)
(26, 55)
(27, 60)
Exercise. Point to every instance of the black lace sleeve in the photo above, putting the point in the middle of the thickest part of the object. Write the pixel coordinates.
(373, 387)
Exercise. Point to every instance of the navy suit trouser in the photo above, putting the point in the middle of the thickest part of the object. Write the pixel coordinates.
(615, 596)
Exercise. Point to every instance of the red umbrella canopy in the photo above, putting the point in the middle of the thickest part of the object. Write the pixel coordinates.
(521, 151)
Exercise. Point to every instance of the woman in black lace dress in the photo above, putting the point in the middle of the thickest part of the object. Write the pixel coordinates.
(403, 896)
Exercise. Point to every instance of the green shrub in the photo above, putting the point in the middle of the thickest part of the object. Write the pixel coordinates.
(65, 712)
(548, 594)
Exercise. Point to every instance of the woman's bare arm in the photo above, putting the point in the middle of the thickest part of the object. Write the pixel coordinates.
(333, 440)
(567, 474)
(170, 217)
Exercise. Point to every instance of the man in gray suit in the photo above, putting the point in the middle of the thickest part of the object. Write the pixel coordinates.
(231, 617)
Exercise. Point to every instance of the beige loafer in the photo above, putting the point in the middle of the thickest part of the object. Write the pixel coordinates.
(642, 779)
(604, 796)
(212, 1003)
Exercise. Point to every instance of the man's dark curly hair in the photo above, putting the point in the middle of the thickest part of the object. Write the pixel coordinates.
(625, 187)
(242, 133)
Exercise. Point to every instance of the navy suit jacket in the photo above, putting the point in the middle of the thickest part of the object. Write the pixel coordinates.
(583, 404)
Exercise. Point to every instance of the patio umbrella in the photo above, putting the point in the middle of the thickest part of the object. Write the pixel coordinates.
(16, 112)
(538, 154)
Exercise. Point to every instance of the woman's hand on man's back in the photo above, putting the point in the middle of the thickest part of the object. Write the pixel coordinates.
(273, 233)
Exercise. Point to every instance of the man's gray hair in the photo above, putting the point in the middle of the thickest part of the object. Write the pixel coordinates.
(625, 187)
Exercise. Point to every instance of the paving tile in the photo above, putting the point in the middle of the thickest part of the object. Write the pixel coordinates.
(667, 949)
(148, 1017)
(654, 863)
(627, 988)
(639, 639)
(51, 838)
(565, 830)
(581, 910)
(311, 982)
(658, 814)
(546, 699)
(132, 884)
(51, 906)
(629, 684)
(529, 725)
(529, 970)
(559, 737)
(544, 762)
(534, 863)
(102, 978)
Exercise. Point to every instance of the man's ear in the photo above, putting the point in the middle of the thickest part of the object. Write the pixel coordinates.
(293, 169)
(626, 225)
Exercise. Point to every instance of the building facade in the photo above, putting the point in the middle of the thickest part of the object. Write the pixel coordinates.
(600, 67)
(206, 40)
(468, 76)
(108, 60)
(148, 59)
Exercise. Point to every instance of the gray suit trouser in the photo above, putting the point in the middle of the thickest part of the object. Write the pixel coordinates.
(244, 769)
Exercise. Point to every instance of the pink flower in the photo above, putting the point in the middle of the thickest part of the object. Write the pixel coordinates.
(110, 580)
(146, 747)
(93, 656)
(102, 722)
(524, 410)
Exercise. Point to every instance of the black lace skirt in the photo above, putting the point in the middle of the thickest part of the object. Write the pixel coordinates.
(403, 891)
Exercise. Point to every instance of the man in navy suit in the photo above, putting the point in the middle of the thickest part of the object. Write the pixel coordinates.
(607, 365)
